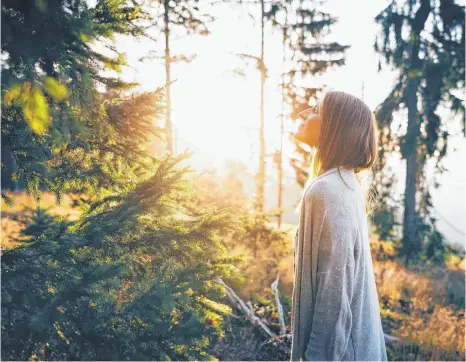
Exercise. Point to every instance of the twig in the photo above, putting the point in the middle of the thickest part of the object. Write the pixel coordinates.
(390, 339)
(249, 303)
(247, 310)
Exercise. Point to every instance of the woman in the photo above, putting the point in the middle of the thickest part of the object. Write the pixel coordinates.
(335, 312)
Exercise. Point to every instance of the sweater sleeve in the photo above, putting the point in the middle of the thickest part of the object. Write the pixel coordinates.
(332, 231)
(295, 245)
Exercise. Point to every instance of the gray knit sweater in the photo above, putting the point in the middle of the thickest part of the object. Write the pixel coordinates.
(335, 311)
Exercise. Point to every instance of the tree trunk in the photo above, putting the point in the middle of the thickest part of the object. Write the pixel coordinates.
(168, 125)
(411, 242)
(410, 239)
(282, 116)
(261, 173)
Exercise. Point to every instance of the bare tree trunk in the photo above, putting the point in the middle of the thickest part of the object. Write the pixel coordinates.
(168, 125)
(261, 173)
(282, 116)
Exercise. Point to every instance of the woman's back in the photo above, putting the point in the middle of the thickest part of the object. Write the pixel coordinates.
(335, 301)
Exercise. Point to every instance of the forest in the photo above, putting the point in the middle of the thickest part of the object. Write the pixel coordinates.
(150, 175)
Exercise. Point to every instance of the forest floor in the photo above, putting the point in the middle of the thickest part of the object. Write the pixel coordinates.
(422, 305)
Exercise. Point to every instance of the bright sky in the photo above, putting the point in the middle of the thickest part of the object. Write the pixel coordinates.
(211, 102)
(216, 112)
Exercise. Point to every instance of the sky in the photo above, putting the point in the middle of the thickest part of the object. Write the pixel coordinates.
(216, 111)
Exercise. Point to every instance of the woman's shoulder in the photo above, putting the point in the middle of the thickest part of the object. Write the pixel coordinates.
(330, 188)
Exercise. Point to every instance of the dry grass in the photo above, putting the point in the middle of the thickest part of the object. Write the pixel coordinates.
(12, 215)
(10, 232)
(424, 306)
(438, 331)
(48, 200)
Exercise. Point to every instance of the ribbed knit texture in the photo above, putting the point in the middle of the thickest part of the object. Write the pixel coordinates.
(335, 310)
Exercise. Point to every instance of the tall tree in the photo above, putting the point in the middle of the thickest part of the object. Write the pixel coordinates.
(133, 277)
(279, 157)
(281, 9)
(260, 63)
(303, 33)
(175, 16)
(263, 71)
(425, 41)
(304, 27)
(168, 125)
(312, 56)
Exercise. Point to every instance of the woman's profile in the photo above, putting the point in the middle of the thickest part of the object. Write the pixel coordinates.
(335, 308)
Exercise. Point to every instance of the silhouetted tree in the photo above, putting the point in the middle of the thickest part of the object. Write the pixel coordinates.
(425, 41)
(304, 27)
(260, 64)
(175, 16)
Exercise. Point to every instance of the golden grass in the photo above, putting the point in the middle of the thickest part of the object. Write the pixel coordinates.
(437, 329)
(11, 215)
(10, 232)
(422, 305)
(22, 199)
(418, 306)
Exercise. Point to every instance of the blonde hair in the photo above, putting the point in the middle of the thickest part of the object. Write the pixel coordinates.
(348, 136)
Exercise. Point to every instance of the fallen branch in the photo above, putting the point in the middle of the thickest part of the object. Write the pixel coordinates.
(249, 303)
(274, 287)
(244, 308)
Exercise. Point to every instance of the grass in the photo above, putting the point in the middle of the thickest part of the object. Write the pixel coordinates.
(12, 216)
(422, 305)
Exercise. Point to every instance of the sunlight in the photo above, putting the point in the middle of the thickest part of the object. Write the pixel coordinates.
(158, 204)
(215, 112)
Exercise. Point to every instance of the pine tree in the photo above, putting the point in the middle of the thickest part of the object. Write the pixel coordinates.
(263, 248)
(313, 56)
(424, 40)
(132, 279)
(36, 221)
(303, 33)
(55, 129)
(304, 27)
